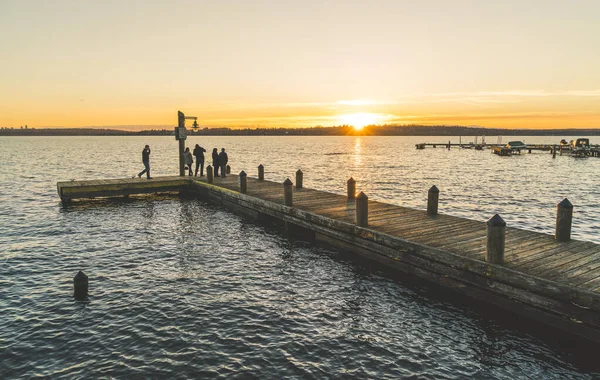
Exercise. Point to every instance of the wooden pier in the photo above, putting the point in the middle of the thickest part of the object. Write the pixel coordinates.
(553, 281)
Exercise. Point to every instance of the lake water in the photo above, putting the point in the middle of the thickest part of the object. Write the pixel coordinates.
(180, 288)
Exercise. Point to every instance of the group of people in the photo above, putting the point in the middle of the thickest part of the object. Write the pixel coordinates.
(220, 160)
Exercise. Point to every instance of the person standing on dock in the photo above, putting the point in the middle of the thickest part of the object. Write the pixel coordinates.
(215, 157)
(189, 160)
(199, 154)
(223, 159)
(146, 162)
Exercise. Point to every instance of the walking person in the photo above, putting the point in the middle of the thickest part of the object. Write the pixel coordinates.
(146, 162)
(223, 159)
(215, 157)
(188, 159)
(199, 154)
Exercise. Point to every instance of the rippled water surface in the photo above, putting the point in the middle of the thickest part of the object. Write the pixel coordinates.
(180, 288)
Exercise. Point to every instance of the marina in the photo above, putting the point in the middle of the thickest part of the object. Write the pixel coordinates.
(554, 280)
(574, 148)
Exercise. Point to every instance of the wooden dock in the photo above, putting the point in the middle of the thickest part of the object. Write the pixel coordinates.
(555, 283)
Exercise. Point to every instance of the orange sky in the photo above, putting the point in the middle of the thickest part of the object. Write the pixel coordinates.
(512, 64)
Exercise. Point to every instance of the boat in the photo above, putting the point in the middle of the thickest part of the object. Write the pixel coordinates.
(502, 151)
(516, 146)
(580, 147)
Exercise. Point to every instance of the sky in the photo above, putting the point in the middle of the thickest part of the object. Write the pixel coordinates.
(280, 63)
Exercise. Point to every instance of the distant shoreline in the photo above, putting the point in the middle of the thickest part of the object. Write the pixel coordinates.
(410, 130)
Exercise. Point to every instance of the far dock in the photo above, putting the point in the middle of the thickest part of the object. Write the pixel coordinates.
(555, 281)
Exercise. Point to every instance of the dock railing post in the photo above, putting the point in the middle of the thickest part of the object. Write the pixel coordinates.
(362, 210)
(210, 174)
(299, 176)
(433, 197)
(554, 151)
(351, 184)
(564, 220)
(243, 182)
(261, 172)
(80, 285)
(496, 232)
(287, 192)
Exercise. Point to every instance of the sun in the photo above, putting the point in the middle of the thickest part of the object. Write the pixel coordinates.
(359, 120)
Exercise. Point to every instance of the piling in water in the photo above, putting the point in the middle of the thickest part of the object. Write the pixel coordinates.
(80, 284)
(362, 210)
(243, 182)
(261, 172)
(564, 220)
(287, 192)
(496, 232)
(351, 184)
(433, 196)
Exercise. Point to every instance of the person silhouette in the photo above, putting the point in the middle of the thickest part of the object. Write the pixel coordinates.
(223, 159)
(189, 160)
(215, 158)
(146, 162)
(199, 154)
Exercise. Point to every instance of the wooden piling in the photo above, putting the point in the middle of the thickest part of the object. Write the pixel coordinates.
(351, 185)
(433, 196)
(554, 152)
(287, 192)
(564, 220)
(496, 230)
(261, 172)
(243, 182)
(362, 210)
(80, 285)
(210, 174)
(299, 176)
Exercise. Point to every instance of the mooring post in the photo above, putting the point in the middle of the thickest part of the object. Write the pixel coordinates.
(80, 284)
(496, 231)
(529, 151)
(261, 172)
(287, 192)
(448, 144)
(554, 152)
(243, 182)
(210, 174)
(433, 197)
(299, 176)
(362, 210)
(228, 169)
(351, 188)
(564, 220)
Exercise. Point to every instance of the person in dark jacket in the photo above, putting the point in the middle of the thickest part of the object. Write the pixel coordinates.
(146, 162)
(223, 159)
(199, 154)
(215, 157)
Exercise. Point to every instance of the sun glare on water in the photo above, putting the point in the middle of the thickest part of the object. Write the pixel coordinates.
(360, 120)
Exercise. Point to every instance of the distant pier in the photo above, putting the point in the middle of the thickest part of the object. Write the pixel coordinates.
(555, 281)
(502, 150)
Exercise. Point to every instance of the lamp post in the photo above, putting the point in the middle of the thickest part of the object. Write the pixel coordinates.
(181, 135)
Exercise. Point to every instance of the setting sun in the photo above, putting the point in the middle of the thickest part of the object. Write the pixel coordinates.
(360, 120)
